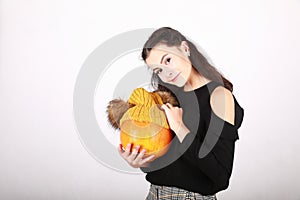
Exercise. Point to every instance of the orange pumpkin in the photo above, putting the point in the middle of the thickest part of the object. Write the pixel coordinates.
(142, 122)
(153, 138)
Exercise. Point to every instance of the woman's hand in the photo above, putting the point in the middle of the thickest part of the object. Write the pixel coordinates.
(134, 158)
(174, 116)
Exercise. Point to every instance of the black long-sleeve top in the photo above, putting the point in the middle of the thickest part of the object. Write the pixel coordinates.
(203, 161)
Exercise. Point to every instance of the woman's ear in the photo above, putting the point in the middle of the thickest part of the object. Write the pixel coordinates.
(115, 111)
(185, 48)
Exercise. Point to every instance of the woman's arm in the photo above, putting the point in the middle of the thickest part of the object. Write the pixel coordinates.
(174, 116)
(218, 161)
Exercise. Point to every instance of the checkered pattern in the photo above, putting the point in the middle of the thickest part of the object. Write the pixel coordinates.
(173, 193)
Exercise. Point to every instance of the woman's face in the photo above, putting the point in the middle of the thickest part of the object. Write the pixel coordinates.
(171, 64)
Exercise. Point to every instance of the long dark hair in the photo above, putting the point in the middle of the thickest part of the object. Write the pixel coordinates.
(171, 38)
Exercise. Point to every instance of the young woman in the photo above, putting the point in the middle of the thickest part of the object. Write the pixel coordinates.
(199, 162)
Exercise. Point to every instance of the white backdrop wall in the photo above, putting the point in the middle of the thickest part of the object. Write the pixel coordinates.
(43, 45)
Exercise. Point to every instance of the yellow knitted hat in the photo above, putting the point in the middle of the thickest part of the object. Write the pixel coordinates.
(145, 109)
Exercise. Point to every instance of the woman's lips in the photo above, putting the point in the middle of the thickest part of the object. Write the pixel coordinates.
(175, 78)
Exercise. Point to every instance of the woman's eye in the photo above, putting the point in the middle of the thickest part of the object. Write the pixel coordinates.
(167, 61)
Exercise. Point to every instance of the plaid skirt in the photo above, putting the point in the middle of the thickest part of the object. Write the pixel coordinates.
(174, 193)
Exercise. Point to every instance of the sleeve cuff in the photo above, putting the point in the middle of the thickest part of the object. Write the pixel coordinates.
(186, 143)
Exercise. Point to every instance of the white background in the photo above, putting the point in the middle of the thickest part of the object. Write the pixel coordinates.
(43, 44)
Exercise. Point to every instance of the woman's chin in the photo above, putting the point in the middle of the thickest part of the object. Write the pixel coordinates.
(179, 84)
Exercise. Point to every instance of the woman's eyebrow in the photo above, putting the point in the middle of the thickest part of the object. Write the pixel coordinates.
(162, 58)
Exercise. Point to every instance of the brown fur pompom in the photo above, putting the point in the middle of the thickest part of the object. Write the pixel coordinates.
(115, 110)
(167, 98)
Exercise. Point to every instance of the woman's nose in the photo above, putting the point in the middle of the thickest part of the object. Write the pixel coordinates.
(168, 73)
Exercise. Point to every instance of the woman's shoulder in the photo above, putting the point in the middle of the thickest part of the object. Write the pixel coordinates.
(222, 103)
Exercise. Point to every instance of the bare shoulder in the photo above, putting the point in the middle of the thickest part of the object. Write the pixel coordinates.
(222, 104)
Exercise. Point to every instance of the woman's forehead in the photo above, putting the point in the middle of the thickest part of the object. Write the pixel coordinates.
(158, 52)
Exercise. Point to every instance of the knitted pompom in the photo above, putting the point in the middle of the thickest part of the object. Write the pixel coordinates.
(145, 109)
(140, 96)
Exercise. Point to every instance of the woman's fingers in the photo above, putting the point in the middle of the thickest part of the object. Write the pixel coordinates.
(125, 153)
(120, 149)
(133, 154)
(148, 159)
(138, 161)
(141, 154)
(164, 107)
(127, 150)
(142, 161)
(135, 158)
(167, 105)
(141, 157)
(174, 116)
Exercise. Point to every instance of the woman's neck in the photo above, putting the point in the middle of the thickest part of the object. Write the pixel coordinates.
(195, 81)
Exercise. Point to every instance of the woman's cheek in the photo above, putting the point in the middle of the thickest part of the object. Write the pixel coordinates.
(162, 77)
